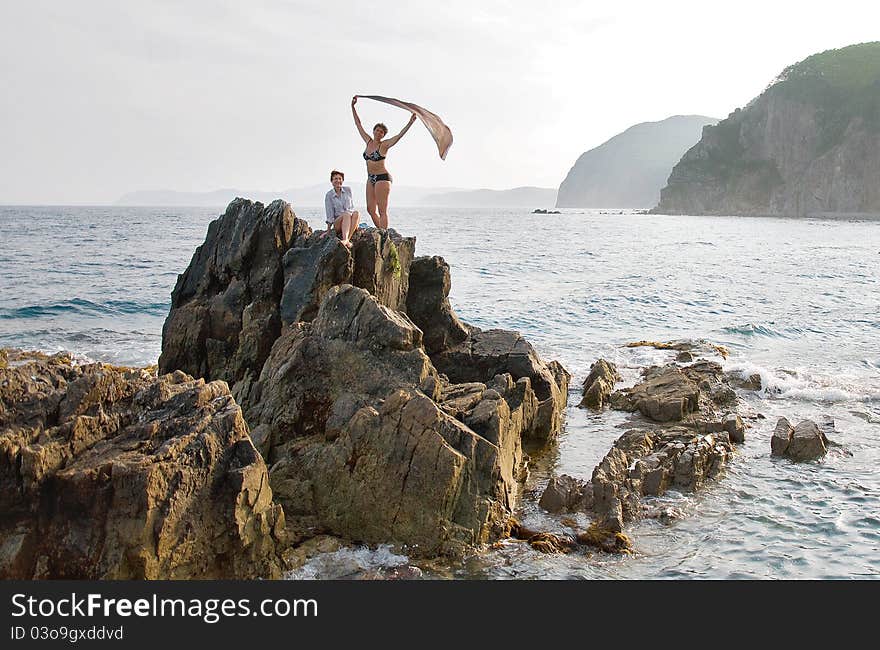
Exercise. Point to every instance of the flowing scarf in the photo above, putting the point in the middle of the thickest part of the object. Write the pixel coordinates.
(439, 131)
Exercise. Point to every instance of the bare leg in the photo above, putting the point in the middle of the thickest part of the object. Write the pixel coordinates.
(371, 204)
(342, 226)
(355, 218)
(383, 189)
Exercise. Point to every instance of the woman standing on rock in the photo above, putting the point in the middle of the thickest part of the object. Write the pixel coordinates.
(378, 178)
(338, 204)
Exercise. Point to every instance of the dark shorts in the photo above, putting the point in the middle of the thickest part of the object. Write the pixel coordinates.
(375, 178)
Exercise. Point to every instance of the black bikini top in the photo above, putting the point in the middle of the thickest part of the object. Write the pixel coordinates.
(374, 156)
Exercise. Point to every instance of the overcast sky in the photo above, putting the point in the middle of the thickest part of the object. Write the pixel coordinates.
(103, 98)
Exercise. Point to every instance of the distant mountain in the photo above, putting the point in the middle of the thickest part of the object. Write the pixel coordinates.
(808, 145)
(629, 170)
(518, 197)
(312, 195)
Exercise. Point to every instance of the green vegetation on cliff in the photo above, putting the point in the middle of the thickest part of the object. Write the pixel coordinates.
(807, 145)
(843, 84)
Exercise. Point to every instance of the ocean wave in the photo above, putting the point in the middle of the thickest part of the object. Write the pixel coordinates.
(81, 306)
(347, 562)
(804, 385)
(757, 329)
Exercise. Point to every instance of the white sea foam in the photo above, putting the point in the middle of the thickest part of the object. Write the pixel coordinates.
(346, 562)
(805, 385)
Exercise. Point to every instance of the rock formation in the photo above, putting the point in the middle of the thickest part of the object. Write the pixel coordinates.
(381, 415)
(682, 436)
(599, 383)
(808, 145)
(117, 473)
(804, 442)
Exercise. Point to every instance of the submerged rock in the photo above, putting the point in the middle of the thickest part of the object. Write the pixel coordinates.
(690, 346)
(116, 473)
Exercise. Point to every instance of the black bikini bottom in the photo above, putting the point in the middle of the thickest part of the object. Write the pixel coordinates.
(375, 178)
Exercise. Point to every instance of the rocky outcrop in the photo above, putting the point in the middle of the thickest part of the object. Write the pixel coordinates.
(698, 393)
(382, 417)
(647, 462)
(260, 268)
(599, 383)
(802, 443)
(682, 436)
(225, 312)
(116, 473)
(366, 441)
(809, 145)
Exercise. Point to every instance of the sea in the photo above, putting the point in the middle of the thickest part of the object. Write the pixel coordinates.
(796, 301)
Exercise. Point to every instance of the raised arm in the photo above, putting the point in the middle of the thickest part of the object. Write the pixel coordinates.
(390, 142)
(357, 121)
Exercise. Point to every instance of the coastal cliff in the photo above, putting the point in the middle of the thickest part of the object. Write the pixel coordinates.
(808, 145)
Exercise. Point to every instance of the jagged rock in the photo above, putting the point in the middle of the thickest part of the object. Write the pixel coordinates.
(382, 260)
(311, 268)
(781, 437)
(407, 472)
(355, 350)
(566, 494)
(316, 355)
(599, 384)
(664, 396)
(485, 354)
(457, 399)
(396, 466)
(731, 423)
(713, 384)
(224, 314)
(650, 459)
(428, 304)
(669, 393)
(735, 428)
(752, 382)
(115, 473)
(807, 442)
(801, 443)
(646, 462)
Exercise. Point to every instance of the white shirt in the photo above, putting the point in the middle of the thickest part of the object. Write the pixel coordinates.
(336, 204)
